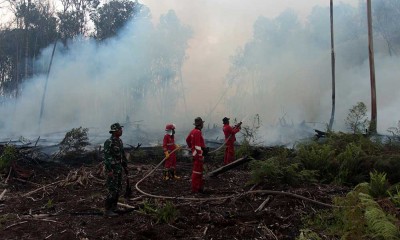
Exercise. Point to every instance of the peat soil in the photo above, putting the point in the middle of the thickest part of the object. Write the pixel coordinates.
(65, 200)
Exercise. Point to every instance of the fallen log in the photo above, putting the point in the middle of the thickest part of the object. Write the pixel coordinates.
(319, 134)
(228, 167)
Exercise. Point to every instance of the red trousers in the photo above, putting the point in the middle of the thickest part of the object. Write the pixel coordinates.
(229, 154)
(197, 174)
(171, 161)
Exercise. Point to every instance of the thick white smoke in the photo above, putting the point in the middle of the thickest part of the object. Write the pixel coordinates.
(91, 85)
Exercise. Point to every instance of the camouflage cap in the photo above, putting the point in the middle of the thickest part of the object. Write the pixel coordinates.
(115, 127)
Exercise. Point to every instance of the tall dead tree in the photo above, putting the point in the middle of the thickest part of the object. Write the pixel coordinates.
(333, 69)
(374, 122)
(27, 19)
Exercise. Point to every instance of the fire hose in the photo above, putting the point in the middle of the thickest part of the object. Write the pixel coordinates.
(271, 192)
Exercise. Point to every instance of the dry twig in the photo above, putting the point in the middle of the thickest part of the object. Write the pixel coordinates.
(8, 176)
(38, 189)
(2, 194)
(262, 205)
(15, 224)
(126, 205)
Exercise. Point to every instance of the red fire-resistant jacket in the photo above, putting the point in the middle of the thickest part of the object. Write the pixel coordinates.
(230, 131)
(169, 143)
(195, 141)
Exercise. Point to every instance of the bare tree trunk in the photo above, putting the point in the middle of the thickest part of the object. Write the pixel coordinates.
(27, 18)
(183, 89)
(333, 69)
(45, 86)
(17, 59)
(374, 122)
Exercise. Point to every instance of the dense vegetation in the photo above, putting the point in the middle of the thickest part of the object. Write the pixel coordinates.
(367, 164)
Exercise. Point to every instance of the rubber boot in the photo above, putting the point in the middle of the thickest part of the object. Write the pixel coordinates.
(108, 208)
(115, 203)
(110, 213)
(176, 177)
(166, 174)
(171, 173)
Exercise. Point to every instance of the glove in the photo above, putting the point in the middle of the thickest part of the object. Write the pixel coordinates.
(178, 146)
(205, 151)
(166, 154)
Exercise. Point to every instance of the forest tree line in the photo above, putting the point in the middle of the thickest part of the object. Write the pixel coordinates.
(36, 24)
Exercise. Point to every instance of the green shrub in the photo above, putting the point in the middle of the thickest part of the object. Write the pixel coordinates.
(9, 154)
(389, 164)
(357, 120)
(75, 141)
(244, 149)
(262, 169)
(349, 161)
(394, 194)
(358, 216)
(164, 214)
(378, 184)
(319, 158)
(293, 174)
(307, 234)
(280, 170)
(167, 214)
(148, 208)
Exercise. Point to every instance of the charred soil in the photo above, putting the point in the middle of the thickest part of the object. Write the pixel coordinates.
(65, 200)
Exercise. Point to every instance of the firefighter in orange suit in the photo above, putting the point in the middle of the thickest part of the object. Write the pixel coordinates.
(230, 139)
(169, 146)
(195, 142)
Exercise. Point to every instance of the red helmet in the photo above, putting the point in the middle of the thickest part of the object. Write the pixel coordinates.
(170, 126)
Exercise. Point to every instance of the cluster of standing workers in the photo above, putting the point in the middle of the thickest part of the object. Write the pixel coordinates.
(115, 160)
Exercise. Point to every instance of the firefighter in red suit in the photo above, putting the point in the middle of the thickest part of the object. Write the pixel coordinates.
(230, 139)
(195, 142)
(169, 146)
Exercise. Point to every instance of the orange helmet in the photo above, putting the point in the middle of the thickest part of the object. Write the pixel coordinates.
(169, 126)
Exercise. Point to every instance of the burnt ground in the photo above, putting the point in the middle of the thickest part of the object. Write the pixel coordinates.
(71, 204)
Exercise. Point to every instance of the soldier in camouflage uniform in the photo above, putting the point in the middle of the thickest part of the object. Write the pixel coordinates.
(114, 161)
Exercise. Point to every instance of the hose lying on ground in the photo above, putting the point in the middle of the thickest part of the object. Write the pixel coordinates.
(271, 192)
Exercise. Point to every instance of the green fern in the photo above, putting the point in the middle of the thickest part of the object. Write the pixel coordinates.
(395, 196)
(378, 184)
(320, 158)
(349, 161)
(380, 225)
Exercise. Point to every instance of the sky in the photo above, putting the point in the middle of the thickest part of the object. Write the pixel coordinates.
(79, 94)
